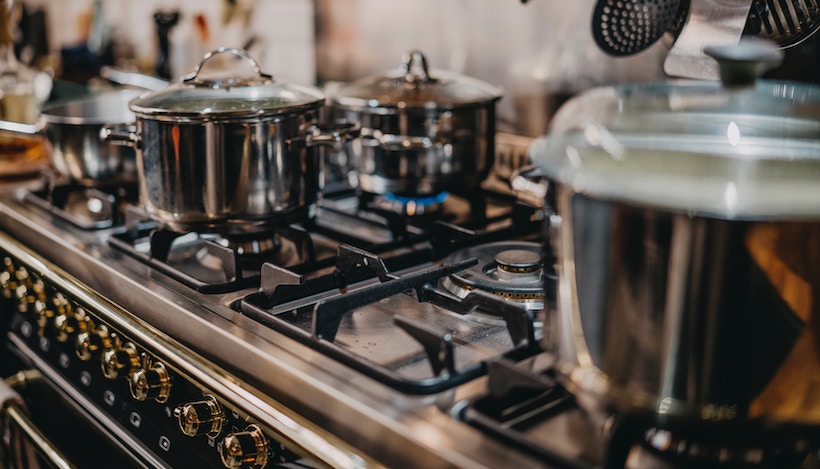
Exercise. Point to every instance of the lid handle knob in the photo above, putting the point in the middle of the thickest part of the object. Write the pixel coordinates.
(743, 63)
(415, 57)
(195, 78)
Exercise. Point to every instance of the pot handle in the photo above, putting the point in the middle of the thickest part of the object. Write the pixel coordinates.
(195, 79)
(122, 135)
(331, 133)
(529, 186)
(22, 129)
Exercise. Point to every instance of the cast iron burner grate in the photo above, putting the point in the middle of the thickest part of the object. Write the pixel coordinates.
(88, 208)
(207, 262)
(525, 406)
(400, 329)
(407, 216)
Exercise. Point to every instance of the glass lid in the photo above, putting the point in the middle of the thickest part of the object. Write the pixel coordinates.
(732, 150)
(413, 85)
(226, 92)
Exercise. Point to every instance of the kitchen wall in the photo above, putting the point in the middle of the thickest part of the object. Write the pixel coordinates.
(540, 52)
(281, 31)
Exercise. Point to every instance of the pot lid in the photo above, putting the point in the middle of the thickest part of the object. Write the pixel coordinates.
(224, 92)
(739, 150)
(413, 85)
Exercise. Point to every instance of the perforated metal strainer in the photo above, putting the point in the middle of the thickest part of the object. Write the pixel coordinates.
(787, 22)
(625, 27)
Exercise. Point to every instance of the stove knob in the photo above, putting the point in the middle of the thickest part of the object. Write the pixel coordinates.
(246, 447)
(45, 317)
(22, 293)
(33, 292)
(7, 280)
(120, 361)
(92, 343)
(75, 320)
(201, 417)
(152, 381)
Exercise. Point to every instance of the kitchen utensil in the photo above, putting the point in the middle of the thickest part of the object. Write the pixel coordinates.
(626, 27)
(787, 23)
(228, 151)
(139, 80)
(73, 131)
(424, 131)
(710, 23)
(687, 226)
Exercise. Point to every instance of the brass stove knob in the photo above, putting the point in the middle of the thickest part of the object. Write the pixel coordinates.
(201, 417)
(120, 361)
(22, 289)
(246, 447)
(152, 381)
(71, 322)
(7, 281)
(92, 343)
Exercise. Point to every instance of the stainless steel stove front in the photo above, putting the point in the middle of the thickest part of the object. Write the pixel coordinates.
(280, 400)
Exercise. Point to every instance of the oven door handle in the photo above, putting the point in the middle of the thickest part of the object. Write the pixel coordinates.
(17, 416)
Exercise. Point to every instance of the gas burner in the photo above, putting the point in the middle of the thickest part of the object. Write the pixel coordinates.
(253, 245)
(510, 269)
(89, 208)
(412, 206)
(210, 262)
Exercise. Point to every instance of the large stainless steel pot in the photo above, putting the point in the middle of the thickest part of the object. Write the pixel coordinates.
(424, 131)
(73, 131)
(229, 152)
(687, 236)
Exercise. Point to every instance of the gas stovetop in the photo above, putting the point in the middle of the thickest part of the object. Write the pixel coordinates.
(404, 338)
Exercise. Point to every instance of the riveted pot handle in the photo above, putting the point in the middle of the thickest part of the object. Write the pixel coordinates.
(331, 133)
(122, 135)
(195, 79)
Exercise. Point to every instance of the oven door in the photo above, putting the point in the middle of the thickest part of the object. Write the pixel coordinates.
(53, 429)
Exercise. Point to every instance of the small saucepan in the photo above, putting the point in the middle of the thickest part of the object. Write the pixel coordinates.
(424, 131)
(229, 151)
(73, 131)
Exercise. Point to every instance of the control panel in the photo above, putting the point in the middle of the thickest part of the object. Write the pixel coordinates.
(174, 418)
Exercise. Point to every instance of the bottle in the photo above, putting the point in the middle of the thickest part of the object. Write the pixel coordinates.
(19, 154)
(17, 102)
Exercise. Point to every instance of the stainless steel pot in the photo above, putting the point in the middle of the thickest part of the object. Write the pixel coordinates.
(73, 131)
(687, 233)
(228, 152)
(423, 131)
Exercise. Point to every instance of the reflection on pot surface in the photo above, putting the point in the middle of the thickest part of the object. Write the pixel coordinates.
(688, 242)
(693, 318)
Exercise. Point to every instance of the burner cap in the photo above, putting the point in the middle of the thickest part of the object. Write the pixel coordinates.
(510, 269)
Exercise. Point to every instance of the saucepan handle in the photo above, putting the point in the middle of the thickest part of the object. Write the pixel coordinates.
(23, 129)
(530, 186)
(125, 135)
(119, 134)
(331, 133)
